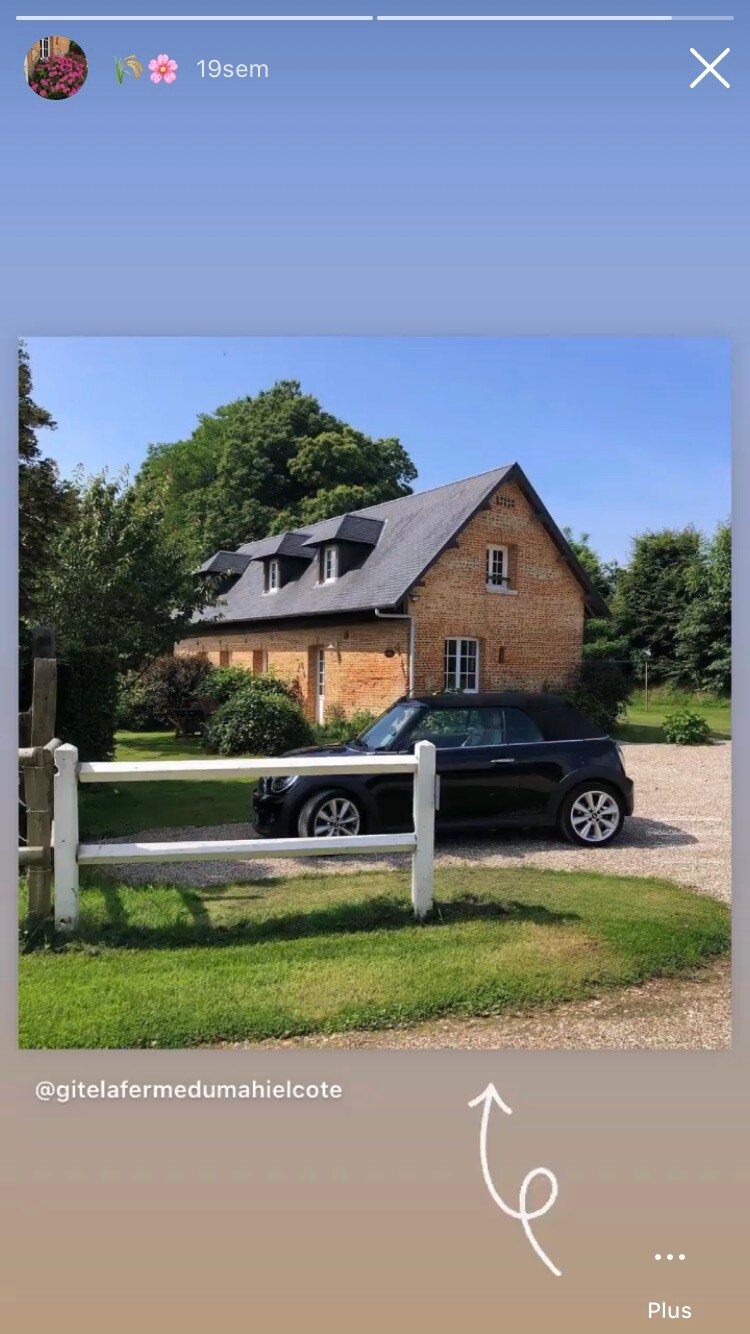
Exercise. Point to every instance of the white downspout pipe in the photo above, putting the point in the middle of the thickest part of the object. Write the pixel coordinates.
(402, 616)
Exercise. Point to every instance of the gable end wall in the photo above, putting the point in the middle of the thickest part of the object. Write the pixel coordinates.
(531, 637)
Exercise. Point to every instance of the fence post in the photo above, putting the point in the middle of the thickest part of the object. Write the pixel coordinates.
(424, 828)
(37, 791)
(66, 838)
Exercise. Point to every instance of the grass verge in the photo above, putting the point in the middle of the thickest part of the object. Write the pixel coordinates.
(645, 724)
(173, 967)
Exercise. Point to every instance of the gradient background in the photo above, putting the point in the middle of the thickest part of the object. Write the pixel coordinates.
(387, 178)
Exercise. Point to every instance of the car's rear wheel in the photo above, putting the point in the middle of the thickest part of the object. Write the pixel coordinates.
(333, 814)
(592, 816)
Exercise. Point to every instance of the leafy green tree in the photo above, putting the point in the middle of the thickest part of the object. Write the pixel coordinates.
(600, 638)
(267, 463)
(603, 574)
(118, 592)
(45, 503)
(704, 635)
(652, 594)
(118, 577)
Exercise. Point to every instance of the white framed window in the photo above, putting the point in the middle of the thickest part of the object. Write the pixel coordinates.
(320, 685)
(273, 576)
(44, 48)
(462, 665)
(330, 564)
(497, 567)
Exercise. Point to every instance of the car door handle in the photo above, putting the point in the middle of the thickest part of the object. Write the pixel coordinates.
(502, 761)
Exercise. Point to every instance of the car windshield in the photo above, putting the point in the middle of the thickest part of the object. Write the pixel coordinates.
(386, 731)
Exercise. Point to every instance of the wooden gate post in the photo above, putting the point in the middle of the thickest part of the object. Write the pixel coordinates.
(38, 788)
(422, 869)
(66, 838)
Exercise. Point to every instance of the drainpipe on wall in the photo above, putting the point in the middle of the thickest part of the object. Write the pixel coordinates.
(402, 616)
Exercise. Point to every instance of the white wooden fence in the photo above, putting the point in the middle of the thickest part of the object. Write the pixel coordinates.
(69, 854)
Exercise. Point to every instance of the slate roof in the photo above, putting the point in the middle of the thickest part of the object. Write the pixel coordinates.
(414, 531)
(347, 528)
(281, 544)
(224, 562)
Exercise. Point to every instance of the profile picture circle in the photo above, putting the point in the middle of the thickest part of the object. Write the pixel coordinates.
(55, 68)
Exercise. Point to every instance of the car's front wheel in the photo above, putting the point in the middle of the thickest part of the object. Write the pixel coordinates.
(592, 816)
(333, 814)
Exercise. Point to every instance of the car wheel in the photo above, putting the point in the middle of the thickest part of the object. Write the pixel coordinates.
(330, 815)
(592, 816)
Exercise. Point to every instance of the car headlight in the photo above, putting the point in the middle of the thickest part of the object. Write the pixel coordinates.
(279, 785)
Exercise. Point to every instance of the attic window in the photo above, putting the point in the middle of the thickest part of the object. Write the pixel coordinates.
(497, 567)
(330, 564)
(273, 576)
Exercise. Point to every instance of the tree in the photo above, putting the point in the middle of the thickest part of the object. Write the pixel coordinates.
(652, 594)
(603, 574)
(118, 592)
(118, 577)
(704, 635)
(269, 463)
(601, 640)
(45, 503)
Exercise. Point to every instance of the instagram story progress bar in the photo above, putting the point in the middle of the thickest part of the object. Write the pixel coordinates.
(375, 18)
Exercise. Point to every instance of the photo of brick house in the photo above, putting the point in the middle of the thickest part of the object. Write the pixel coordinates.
(45, 49)
(470, 586)
(55, 68)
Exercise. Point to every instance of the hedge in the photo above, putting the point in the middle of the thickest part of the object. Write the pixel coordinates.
(87, 691)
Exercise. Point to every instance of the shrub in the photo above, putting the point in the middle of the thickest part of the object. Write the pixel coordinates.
(226, 682)
(338, 727)
(601, 692)
(686, 728)
(87, 701)
(257, 722)
(152, 698)
(134, 710)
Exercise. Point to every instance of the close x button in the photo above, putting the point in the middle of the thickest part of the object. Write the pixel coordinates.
(710, 67)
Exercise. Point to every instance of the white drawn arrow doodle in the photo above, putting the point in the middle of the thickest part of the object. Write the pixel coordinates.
(522, 1214)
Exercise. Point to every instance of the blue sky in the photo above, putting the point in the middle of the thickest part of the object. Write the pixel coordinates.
(618, 435)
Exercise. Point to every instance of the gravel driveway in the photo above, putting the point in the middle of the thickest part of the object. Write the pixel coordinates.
(680, 831)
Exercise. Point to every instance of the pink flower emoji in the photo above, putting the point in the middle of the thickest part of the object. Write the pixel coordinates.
(162, 68)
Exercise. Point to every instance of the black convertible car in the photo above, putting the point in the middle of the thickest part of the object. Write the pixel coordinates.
(503, 760)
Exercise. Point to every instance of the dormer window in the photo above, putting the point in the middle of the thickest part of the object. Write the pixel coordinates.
(284, 558)
(330, 564)
(343, 544)
(273, 576)
(223, 570)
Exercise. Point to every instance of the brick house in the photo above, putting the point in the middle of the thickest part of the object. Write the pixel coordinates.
(45, 48)
(469, 586)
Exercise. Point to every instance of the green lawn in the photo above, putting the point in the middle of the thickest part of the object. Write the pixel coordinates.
(128, 808)
(171, 967)
(642, 724)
